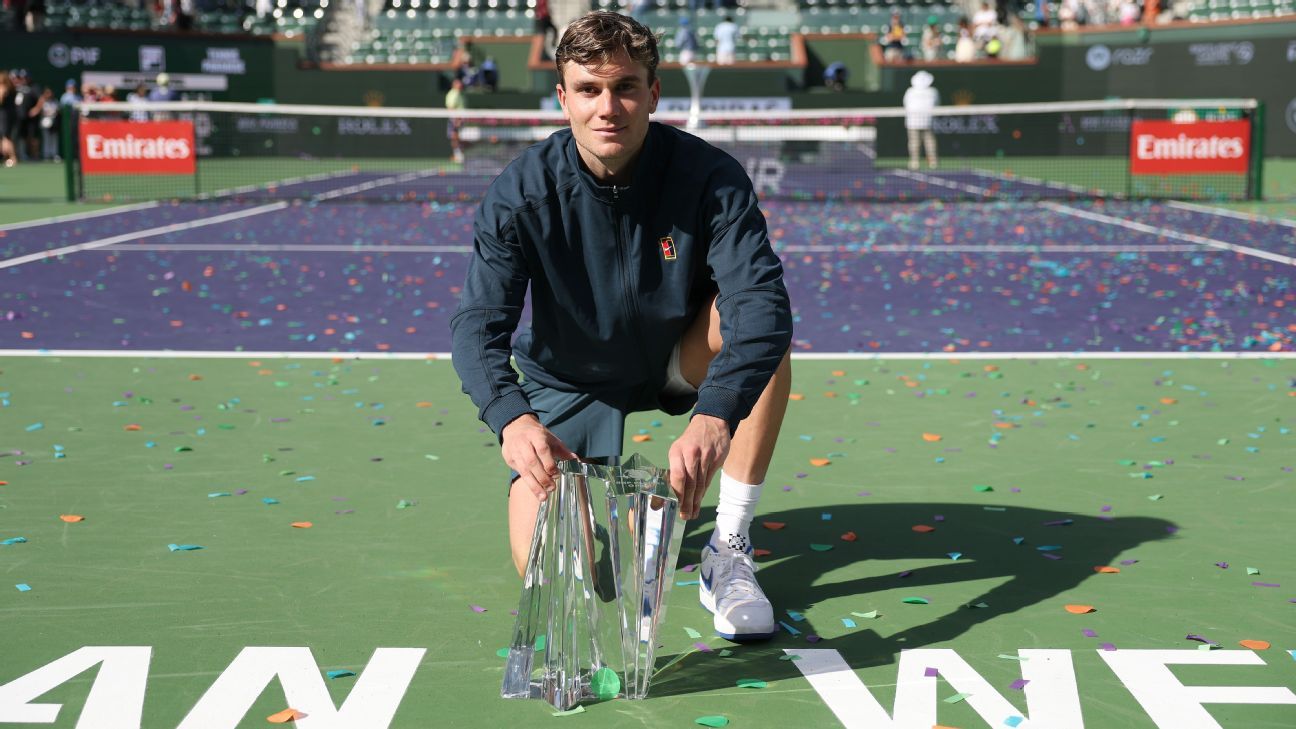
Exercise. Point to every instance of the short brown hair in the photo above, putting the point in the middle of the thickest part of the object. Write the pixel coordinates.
(593, 38)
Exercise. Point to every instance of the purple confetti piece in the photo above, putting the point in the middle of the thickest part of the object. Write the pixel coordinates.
(702, 647)
(813, 638)
(1050, 555)
(939, 517)
(477, 608)
(864, 493)
(1265, 584)
(186, 408)
(1128, 562)
(1172, 530)
(278, 420)
(787, 488)
(889, 450)
(1198, 638)
(1108, 646)
(241, 492)
(513, 613)
(1236, 478)
(1222, 565)
(931, 672)
(802, 475)
(688, 568)
(906, 573)
(1015, 490)
(1089, 633)
(1105, 508)
(1019, 684)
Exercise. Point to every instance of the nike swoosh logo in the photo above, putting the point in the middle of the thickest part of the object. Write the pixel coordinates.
(706, 579)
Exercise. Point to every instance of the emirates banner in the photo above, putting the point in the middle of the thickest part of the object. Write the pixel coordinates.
(137, 148)
(1201, 147)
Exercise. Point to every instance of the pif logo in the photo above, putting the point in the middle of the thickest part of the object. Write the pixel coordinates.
(668, 248)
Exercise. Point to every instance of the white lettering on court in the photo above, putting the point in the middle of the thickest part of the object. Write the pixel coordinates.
(1170, 703)
(1052, 700)
(116, 699)
(371, 704)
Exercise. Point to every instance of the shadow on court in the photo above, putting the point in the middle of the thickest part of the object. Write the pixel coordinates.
(983, 535)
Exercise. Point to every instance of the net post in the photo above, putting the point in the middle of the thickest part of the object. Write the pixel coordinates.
(70, 153)
(1255, 180)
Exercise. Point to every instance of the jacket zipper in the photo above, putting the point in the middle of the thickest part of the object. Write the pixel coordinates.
(627, 279)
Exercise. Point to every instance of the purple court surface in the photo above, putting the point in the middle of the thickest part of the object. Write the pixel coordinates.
(1064, 276)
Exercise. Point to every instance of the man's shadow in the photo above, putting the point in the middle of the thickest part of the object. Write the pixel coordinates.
(797, 577)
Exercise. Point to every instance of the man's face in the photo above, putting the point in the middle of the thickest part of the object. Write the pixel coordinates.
(608, 108)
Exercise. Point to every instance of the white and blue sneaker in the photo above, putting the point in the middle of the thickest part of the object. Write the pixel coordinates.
(728, 588)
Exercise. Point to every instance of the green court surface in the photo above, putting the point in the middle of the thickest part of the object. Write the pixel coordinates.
(1031, 473)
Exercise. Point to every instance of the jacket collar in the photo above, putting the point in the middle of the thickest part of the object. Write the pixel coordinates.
(645, 168)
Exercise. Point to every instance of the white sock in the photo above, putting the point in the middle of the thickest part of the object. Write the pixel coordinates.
(734, 515)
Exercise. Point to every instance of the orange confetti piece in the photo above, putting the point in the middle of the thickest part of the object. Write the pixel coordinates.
(4, 483)
(195, 378)
(641, 438)
(830, 394)
(923, 528)
(1104, 569)
(1255, 645)
(795, 396)
(28, 335)
(819, 461)
(423, 404)
(761, 553)
(302, 524)
(132, 426)
(285, 716)
(773, 525)
(254, 363)
(839, 373)
(931, 437)
(1168, 401)
(991, 368)
(849, 537)
(1080, 609)
(71, 518)
(1005, 426)
(265, 372)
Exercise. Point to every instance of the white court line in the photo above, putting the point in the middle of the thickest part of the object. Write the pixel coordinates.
(77, 216)
(848, 249)
(808, 356)
(934, 180)
(174, 227)
(1249, 217)
(1168, 233)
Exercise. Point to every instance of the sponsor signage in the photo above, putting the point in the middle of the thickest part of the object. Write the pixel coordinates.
(266, 124)
(223, 60)
(144, 148)
(1100, 57)
(966, 124)
(152, 58)
(680, 104)
(1169, 147)
(179, 81)
(1222, 54)
(351, 126)
(61, 55)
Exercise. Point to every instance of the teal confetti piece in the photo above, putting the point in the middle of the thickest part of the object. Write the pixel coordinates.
(1141, 474)
(870, 615)
(1293, 654)
(916, 601)
(1155, 497)
(404, 504)
(798, 617)
(183, 547)
(712, 721)
(218, 494)
(956, 698)
(955, 555)
(269, 501)
(1018, 540)
(14, 540)
(692, 634)
(755, 683)
(686, 583)
(849, 623)
(569, 712)
(825, 516)
(344, 673)
(35, 427)
(821, 547)
(1013, 721)
(23, 587)
(789, 628)
(305, 478)
(1049, 547)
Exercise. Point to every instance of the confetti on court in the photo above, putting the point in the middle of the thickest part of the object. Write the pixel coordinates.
(285, 716)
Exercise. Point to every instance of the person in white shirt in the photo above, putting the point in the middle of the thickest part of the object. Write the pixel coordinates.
(985, 24)
(965, 49)
(726, 37)
(139, 97)
(919, 100)
(931, 40)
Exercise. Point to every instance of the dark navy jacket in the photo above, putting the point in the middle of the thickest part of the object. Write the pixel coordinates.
(617, 274)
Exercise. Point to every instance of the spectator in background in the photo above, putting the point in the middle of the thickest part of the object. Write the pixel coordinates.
(1014, 40)
(726, 35)
(455, 101)
(544, 24)
(8, 119)
(985, 24)
(70, 96)
(931, 40)
(490, 74)
(639, 9)
(965, 49)
(894, 39)
(162, 90)
(139, 98)
(1069, 14)
(18, 17)
(464, 62)
(1129, 13)
(686, 41)
(26, 139)
(835, 76)
(919, 100)
(47, 119)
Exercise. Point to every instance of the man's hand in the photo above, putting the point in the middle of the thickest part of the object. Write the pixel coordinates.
(531, 450)
(695, 458)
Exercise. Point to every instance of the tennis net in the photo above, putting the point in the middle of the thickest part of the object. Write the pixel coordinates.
(1206, 149)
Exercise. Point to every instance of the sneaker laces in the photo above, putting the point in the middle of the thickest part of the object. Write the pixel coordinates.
(741, 583)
